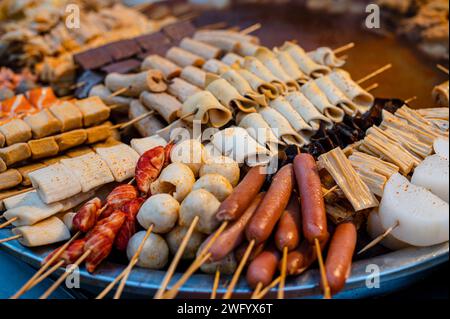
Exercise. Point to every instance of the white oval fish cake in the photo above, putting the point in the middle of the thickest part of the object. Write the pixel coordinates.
(121, 160)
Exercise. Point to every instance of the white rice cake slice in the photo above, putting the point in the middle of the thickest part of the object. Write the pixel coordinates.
(121, 160)
(31, 210)
(90, 170)
(54, 183)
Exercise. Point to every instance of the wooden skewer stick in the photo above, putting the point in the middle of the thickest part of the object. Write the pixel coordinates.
(18, 192)
(413, 98)
(6, 240)
(116, 280)
(326, 286)
(239, 269)
(331, 190)
(118, 92)
(175, 122)
(251, 29)
(177, 258)
(9, 222)
(133, 262)
(345, 47)
(123, 126)
(44, 267)
(198, 262)
(216, 284)
(257, 290)
(77, 85)
(65, 275)
(47, 274)
(372, 87)
(379, 238)
(272, 285)
(442, 68)
(283, 274)
(375, 73)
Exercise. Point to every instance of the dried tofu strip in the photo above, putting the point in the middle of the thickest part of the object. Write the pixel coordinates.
(409, 141)
(437, 113)
(390, 151)
(374, 181)
(343, 173)
(418, 121)
(377, 165)
(393, 139)
(390, 120)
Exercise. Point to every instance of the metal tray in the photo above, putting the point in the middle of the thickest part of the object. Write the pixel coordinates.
(396, 270)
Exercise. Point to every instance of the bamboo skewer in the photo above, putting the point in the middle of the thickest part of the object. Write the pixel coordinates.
(251, 29)
(6, 240)
(283, 274)
(47, 273)
(442, 68)
(379, 238)
(239, 269)
(65, 275)
(118, 92)
(345, 47)
(374, 73)
(177, 258)
(9, 222)
(216, 284)
(198, 262)
(37, 275)
(264, 292)
(123, 126)
(326, 286)
(413, 98)
(372, 87)
(257, 290)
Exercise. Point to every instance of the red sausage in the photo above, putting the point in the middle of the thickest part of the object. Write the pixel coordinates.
(129, 227)
(314, 217)
(302, 258)
(86, 217)
(272, 206)
(240, 251)
(234, 234)
(263, 268)
(235, 205)
(340, 254)
(288, 228)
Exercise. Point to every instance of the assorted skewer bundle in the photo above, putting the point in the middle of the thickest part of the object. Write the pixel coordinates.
(192, 199)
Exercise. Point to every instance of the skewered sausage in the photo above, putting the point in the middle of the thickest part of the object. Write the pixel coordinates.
(234, 234)
(155, 253)
(121, 195)
(236, 204)
(272, 206)
(129, 227)
(149, 167)
(289, 226)
(86, 217)
(70, 255)
(302, 258)
(339, 259)
(263, 268)
(161, 211)
(240, 251)
(100, 239)
(314, 219)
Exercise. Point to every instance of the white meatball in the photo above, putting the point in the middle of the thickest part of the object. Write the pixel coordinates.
(155, 253)
(224, 166)
(161, 210)
(176, 179)
(189, 152)
(203, 204)
(216, 184)
(175, 237)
